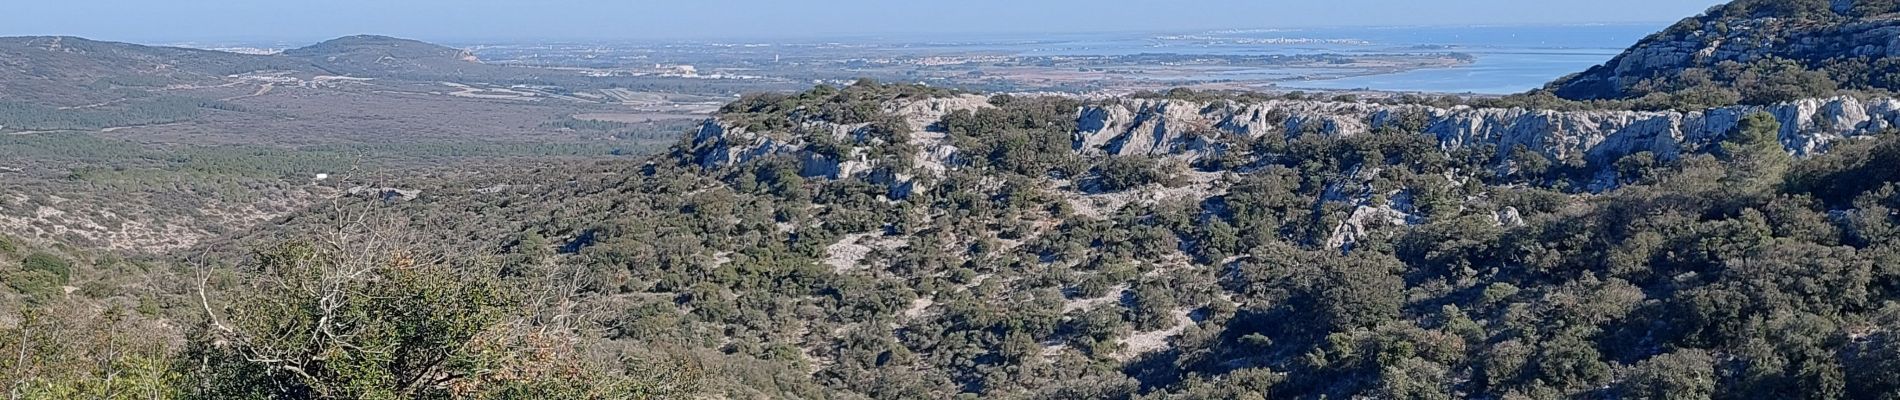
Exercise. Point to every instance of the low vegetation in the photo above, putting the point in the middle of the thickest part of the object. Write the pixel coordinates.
(1736, 273)
(1800, 60)
(1292, 265)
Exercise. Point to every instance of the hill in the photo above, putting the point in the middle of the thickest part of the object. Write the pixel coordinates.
(149, 148)
(70, 72)
(374, 46)
(896, 241)
(1754, 52)
(904, 241)
(383, 56)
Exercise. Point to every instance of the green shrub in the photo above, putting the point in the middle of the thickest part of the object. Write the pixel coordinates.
(38, 286)
(1123, 173)
(51, 264)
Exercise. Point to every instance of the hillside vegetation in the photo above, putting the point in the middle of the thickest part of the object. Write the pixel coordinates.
(1753, 52)
(1030, 270)
(891, 241)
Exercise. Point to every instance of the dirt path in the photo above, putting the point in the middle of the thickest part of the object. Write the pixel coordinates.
(119, 128)
(94, 105)
(261, 90)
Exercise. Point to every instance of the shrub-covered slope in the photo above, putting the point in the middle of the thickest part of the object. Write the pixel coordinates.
(1382, 263)
(1754, 52)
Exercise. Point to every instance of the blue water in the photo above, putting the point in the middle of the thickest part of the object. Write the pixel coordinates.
(1508, 59)
(1494, 72)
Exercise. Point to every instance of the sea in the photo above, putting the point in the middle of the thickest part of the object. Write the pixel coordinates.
(1506, 59)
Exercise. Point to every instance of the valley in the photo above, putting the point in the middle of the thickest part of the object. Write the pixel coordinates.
(1189, 215)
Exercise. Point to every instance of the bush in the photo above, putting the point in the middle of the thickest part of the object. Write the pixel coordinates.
(51, 264)
(861, 102)
(1796, 9)
(1123, 173)
(317, 324)
(1871, 8)
(38, 286)
(1848, 170)
(1687, 374)
(1026, 136)
(1773, 81)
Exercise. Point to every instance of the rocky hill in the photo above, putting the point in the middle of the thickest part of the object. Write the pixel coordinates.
(1200, 132)
(1757, 52)
(903, 241)
(895, 241)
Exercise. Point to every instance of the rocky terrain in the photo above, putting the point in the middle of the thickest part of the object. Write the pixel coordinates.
(1178, 236)
(1851, 40)
(1195, 131)
(148, 148)
(900, 241)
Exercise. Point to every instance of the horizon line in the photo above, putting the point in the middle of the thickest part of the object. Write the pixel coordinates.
(523, 39)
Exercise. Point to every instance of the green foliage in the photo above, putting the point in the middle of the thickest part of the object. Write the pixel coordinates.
(1791, 9)
(49, 264)
(1023, 136)
(71, 354)
(1755, 150)
(861, 102)
(1848, 170)
(1123, 173)
(1760, 82)
(1684, 375)
(1795, 66)
(39, 286)
(1874, 8)
(587, 124)
(16, 116)
(1378, 265)
(327, 325)
(1777, 80)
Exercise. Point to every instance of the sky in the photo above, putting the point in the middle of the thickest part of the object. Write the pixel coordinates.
(150, 21)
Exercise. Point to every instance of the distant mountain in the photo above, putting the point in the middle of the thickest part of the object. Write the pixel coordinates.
(72, 71)
(1754, 52)
(378, 46)
(52, 84)
(383, 55)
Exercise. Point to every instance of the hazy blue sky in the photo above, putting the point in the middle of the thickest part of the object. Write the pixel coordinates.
(448, 20)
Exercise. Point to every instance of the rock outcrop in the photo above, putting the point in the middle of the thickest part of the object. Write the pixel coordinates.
(1743, 32)
(1171, 128)
(720, 144)
(1193, 130)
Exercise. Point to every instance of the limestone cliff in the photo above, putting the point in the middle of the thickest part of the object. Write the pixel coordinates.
(718, 143)
(1194, 130)
(1171, 128)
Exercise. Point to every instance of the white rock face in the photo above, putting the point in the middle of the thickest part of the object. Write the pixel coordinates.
(1355, 227)
(1191, 130)
(717, 145)
(1178, 128)
(721, 144)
